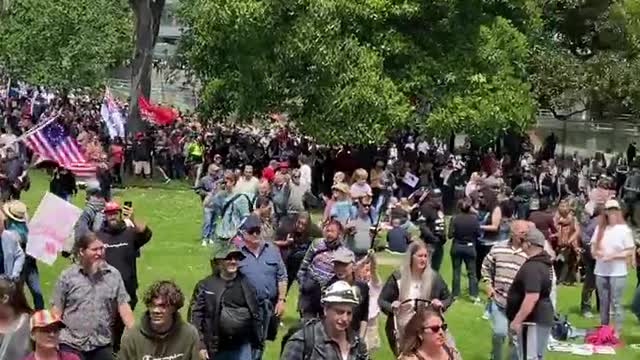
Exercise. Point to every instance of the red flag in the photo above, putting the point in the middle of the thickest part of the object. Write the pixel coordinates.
(158, 114)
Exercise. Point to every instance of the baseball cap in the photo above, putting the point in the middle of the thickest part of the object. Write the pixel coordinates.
(223, 249)
(93, 187)
(44, 318)
(111, 207)
(251, 222)
(535, 237)
(343, 255)
(612, 204)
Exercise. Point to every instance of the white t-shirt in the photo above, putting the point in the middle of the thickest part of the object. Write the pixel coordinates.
(305, 177)
(615, 239)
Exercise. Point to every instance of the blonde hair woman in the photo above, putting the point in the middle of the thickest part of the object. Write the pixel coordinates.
(414, 281)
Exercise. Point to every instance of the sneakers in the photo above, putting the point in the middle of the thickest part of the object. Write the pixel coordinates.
(206, 242)
(476, 301)
(587, 315)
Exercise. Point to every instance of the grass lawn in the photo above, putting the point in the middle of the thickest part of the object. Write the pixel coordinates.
(173, 213)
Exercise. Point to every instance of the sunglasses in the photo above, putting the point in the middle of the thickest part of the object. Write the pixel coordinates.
(254, 231)
(436, 328)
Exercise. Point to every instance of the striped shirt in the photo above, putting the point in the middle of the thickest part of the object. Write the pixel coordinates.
(318, 263)
(500, 267)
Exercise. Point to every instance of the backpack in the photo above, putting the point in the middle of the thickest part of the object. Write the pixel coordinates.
(229, 223)
(307, 335)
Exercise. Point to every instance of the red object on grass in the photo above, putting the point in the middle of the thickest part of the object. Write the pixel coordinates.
(160, 115)
(603, 335)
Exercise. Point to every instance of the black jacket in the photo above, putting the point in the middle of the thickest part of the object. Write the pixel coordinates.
(390, 293)
(465, 229)
(122, 247)
(204, 311)
(63, 184)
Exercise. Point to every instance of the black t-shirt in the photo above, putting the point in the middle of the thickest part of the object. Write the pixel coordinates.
(233, 300)
(533, 277)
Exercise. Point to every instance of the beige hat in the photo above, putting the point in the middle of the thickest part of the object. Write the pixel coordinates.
(342, 187)
(16, 210)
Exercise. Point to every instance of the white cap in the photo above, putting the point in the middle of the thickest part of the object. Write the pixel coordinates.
(340, 292)
(612, 204)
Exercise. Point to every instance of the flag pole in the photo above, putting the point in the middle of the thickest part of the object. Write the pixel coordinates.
(31, 131)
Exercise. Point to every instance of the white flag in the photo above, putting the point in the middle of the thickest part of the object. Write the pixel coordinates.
(112, 116)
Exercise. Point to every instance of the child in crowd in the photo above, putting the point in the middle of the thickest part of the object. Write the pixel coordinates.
(360, 187)
(342, 209)
(366, 270)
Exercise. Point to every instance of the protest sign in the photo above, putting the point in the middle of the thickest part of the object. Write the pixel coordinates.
(52, 223)
(410, 179)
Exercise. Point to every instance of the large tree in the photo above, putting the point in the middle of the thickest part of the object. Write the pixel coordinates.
(64, 44)
(352, 71)
(147, 15)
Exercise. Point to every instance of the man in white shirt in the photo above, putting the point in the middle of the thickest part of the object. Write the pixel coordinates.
(247, 184)
(305, 172)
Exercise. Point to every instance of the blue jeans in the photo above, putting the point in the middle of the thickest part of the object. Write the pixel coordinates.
(635, 304)
(266, 311)
(241, 353)
(532, 341)
(500, 327)
(209, 216)
(610, 289)
(32, 279)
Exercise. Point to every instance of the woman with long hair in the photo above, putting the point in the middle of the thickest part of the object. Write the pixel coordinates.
(14, 321)
(415, 282)
(425, 338)
(493, 227)
(612, 247)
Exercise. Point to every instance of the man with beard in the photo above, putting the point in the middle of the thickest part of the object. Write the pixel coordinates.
(161, 333)
(122, 247)
(88, 295)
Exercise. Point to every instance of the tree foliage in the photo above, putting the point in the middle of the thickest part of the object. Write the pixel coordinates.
(352, 71)
(64, 43)
(588, 57)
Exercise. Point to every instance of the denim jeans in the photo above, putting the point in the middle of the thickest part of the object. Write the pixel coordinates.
(500, 327)
(266, 311)
(241, 353)
(208, 222)
(635, 304)
(460, 253)
(32, 279)
(610, 289)
(532, 341)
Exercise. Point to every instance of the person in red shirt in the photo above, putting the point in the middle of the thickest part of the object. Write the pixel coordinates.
(269, 172)
(116, 152)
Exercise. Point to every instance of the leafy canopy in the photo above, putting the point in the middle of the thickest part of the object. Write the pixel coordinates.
(352, 71)
(64, 43)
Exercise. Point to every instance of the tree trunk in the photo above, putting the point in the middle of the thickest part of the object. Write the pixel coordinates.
(147, 15)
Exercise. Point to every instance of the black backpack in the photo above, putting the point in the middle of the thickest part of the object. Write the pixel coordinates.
(307, 335)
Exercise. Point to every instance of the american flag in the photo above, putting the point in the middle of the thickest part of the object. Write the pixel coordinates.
(53, 142)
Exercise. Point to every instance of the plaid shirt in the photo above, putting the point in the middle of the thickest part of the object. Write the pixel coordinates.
(322, 347)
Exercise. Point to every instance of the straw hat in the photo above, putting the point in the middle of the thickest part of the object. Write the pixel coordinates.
(15, 210)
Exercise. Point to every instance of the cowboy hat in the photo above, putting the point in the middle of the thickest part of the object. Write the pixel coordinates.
(16, 210)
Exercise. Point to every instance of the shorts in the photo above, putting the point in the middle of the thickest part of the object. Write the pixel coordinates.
(141, 166)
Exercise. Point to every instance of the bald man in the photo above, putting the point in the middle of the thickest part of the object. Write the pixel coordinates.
(499, 269)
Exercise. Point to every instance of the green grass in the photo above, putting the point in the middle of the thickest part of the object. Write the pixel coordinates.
(173, 213)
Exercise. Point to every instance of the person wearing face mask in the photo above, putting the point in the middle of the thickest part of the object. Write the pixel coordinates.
(45, 333)
(122, 247)
(329, 338)
(415, 280)
(161, 333)
(226, 297)
(425, 338)
(529, 307)
(90, 291)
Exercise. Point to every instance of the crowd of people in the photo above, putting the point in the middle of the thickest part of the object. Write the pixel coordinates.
(522, 224)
